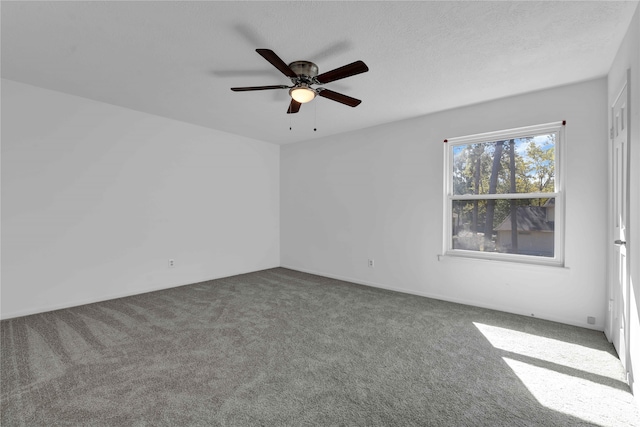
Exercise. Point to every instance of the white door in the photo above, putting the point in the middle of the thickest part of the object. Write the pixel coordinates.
(620, 273)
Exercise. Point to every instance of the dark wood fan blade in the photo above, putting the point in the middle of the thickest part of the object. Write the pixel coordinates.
(335, 96)
(275, 60)
(342, 72)
(244, 89)
(294, 107)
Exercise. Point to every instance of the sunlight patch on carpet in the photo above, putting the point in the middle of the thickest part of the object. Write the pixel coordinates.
(563, 353)
(569, 378)
(573, 395)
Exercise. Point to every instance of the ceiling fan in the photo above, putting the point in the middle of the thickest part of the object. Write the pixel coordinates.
(303, 75)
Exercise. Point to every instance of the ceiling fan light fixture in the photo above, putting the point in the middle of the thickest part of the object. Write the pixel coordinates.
(303, 75)
(302, 93)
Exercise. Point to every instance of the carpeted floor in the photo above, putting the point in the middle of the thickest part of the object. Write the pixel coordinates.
(284, 348)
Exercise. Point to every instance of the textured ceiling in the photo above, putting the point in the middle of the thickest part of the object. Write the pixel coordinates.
(179, 59)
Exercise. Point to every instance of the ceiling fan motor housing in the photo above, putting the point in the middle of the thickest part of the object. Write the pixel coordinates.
(305, 71)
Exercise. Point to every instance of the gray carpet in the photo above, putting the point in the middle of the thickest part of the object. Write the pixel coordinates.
(284, 348)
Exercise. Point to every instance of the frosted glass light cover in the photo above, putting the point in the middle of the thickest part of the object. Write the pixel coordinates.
(302, 94)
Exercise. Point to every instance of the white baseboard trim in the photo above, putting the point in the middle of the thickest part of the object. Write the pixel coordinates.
(542, 316)
(304, 270)
(79, 302)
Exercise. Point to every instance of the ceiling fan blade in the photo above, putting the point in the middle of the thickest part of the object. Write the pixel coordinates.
(294, 107)
(335, 96)
(275, 60)
(342, 72)
(244, 89)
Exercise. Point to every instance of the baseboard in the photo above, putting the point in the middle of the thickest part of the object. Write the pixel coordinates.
(80, 302)
(304, 270)
(440, 297)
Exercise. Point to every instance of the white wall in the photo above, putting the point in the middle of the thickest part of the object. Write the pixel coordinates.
(628, 57)
(377, 193)
(96, 198)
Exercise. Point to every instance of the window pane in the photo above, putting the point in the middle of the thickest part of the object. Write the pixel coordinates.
(488, 226)
(519, 165)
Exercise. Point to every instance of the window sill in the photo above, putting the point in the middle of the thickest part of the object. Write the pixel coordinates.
(505, 260)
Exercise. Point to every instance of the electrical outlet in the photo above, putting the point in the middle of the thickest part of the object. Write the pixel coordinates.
(172, 263)
(591, 320)
(371, 263)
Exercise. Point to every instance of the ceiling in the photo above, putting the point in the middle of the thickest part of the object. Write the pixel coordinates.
(178, 59)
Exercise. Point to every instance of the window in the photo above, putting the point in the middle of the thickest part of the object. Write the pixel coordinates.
(504, 195)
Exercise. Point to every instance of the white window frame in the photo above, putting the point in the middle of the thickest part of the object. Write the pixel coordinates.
(558, 194)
